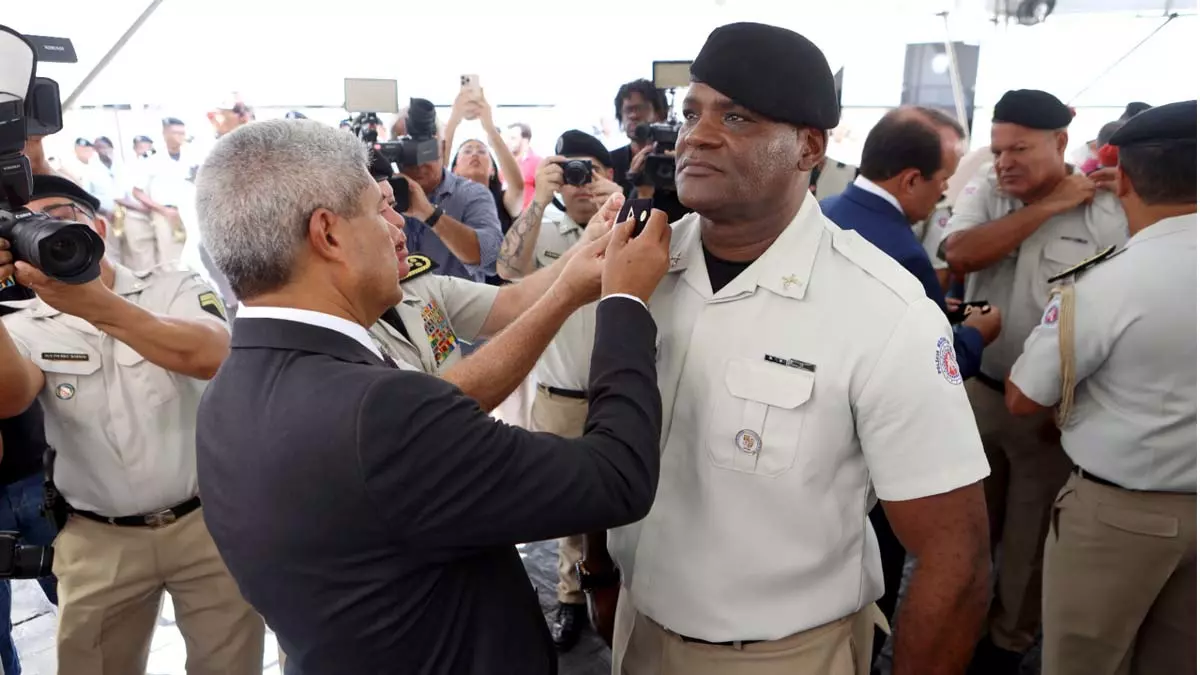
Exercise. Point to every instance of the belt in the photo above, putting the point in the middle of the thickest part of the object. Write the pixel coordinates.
(1087, 475)
(565, 393)
(994, 385)
(151, 520)
(737, 644)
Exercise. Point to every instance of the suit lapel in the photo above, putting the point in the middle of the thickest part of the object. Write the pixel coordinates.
(296, 336)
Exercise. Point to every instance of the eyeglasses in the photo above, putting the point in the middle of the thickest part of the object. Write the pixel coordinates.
(69, 211)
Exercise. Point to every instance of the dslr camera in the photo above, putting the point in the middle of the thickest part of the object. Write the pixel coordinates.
(29, 106)
(577, 172)
(659, 169)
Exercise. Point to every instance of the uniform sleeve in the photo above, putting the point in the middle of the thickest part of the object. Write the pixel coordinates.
(914, 422)
(1038, 371)
(970, 209)
(14, 332)
(197, 300)
(467, 304)
(480, 215)
(935, 229)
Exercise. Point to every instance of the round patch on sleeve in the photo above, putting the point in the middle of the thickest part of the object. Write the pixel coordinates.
(947, 363)
(1051, 316)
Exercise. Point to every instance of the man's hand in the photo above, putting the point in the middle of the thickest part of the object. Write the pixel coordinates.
(1069, 193)
(639, 160)
(7, 270)
(1104, 179)
(580, 280)
(483, 110)
(91, 301)
(418, 204)
(37, 158)
(548, 180)
(635, 266)
(602, 188)
(602, 223)
(986, 320)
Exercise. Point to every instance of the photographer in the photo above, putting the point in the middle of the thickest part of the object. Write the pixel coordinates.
(638, 105)
(457, 225)
(118, 364)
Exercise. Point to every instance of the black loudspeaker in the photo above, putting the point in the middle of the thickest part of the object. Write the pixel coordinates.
(927, 77)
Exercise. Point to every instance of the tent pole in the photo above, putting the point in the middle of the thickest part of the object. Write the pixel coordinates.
(116, 48)
(960, 100)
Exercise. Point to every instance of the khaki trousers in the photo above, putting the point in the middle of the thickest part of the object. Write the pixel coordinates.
(842, 647)
(1120, 595)
(563, 416)
(110, 585)
(1029, 467)
(140, 251)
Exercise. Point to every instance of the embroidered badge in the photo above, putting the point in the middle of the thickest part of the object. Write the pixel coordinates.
(551, 254)
(65, 392)
(947, 363)
(748, 441)
(437, 328)
(1051, 316)
(943, 221)
(210, 303)
(63, 356)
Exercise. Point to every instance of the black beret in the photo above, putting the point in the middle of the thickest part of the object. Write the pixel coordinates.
(380, 168)
(103, 139)
(1107, 131)
(83, 143)
(575, 143)
(1032, 108)
(771, 70)
(172, 122)
(1173, 122)
(1134, 108)
(142, 139)
(57, 186)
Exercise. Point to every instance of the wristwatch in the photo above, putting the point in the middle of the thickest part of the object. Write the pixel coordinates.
(434, 217)
(593, 581)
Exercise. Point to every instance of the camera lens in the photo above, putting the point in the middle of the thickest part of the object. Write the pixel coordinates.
(67, 251)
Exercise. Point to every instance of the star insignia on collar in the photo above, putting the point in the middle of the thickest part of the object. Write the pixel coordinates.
(675, 261)
(789, 281)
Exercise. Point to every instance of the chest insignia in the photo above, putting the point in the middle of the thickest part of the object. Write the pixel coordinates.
(418, 265)
(946, 363)
(748, 441)
(64, 356)
(441, 335)
(65, 392)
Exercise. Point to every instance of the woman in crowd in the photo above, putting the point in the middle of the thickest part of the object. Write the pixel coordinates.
(473, 160)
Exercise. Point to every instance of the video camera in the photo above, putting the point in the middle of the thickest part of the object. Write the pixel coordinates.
(368, 98)
(659, 169)
(29, 106)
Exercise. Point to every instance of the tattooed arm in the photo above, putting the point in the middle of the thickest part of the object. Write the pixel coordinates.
(516, 253)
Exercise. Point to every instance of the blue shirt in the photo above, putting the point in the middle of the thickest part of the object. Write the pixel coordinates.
(472, 205)
(882, 224)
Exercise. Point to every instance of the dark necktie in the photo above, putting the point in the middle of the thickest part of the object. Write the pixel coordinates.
(389, 361)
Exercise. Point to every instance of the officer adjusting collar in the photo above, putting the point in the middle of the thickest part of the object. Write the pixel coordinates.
(784, 269)
(125, 282)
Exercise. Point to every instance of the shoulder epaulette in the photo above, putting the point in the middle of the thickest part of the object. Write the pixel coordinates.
(1087, 264)
(418, 265)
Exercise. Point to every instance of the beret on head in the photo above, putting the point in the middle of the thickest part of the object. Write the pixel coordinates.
(143, 139)
(1033, 109)
(771, 70)
(1133, 109)
(575, 143)
(57, 186)
(1107, 131)
(1170, 123)
(83, 143)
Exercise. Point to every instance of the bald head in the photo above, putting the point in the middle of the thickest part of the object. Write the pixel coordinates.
(911, 152)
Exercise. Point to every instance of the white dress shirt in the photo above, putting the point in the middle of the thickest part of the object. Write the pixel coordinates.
(864, 184)
(318, 319)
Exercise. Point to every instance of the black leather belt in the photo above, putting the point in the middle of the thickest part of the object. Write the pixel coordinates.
(1087, 475)
(565, 393)
(151, 520)
(733, 643)
(994, 385)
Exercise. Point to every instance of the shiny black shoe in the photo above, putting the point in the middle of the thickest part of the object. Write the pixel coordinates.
(992, 660)
(569, 622)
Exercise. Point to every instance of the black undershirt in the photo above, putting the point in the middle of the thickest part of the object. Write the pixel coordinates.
(24, 440)
(721, 272)
(392, 318)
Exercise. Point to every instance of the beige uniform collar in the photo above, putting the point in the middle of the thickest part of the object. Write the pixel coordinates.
(784, 269)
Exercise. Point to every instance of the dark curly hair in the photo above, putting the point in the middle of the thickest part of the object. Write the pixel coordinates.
(657, 98)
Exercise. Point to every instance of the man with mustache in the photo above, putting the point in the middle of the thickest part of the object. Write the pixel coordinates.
(1030, 218)
(802, 373)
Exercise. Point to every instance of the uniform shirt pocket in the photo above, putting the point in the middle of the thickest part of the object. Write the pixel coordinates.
(145, 380)
(66, 373)
(756, 422)
(1061, 255)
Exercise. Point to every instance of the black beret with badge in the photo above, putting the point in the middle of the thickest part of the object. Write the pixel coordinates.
(57, 186)
(1169, 123)
(1033, 109)
(772, 71)
(575, 143)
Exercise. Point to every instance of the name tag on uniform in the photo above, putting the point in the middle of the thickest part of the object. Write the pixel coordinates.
(552, 255)
(791, 363)
(63, 356)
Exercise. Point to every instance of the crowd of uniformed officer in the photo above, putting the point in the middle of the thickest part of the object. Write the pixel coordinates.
(798, 386)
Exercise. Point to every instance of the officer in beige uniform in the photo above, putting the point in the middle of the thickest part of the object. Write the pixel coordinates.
(166, 188)
(803, 372)
(119, 365)
(1120, 332)
(537, 239)
(1029, 218)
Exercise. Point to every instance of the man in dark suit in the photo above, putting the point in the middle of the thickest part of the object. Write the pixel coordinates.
(907, 159)
(370, 513)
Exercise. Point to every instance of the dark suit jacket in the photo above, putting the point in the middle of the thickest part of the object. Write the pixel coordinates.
(884, 226)
(370, 514)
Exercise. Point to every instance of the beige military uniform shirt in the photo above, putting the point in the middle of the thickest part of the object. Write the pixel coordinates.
(818, 374)
(1019, 284)
(1133, 421)
(834, 178)
(932, 230)
(438, 312)
(567, 361)
(124, 428)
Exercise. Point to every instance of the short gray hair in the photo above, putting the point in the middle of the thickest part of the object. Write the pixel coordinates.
(259, 187)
